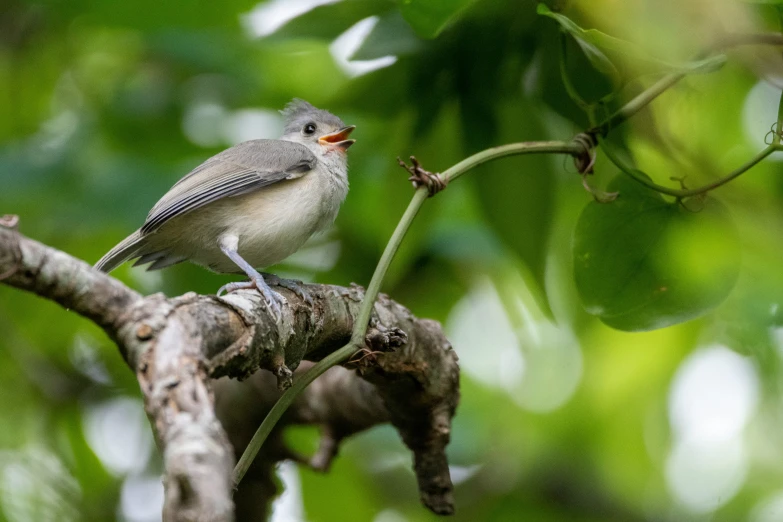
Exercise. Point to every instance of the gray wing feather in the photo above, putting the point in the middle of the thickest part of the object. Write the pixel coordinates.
(166, 261)
(149, 258)
(125, 250)
(243, 168)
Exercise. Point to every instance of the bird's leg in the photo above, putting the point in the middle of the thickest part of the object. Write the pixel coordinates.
(274, 301)
(291, 284)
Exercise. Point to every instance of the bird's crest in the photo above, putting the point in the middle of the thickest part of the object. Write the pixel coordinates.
(297, 107)
(298, 112)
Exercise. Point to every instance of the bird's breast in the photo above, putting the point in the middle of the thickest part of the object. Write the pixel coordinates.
(275, 222)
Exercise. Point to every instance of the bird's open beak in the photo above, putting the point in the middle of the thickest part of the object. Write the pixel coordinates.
(339, 138)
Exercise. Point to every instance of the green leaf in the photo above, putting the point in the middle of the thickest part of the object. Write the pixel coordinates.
(429, 17)
(599, 60)
(593, 42)
(390, 36)
(643, 263)
(329, 21)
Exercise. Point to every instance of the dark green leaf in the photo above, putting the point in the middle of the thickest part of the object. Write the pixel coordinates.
(642, 263)
(593, 53)
(429, 17)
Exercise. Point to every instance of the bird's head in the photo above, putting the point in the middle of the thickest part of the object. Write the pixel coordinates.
(316, 128)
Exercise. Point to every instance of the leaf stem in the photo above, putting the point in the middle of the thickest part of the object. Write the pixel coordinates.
(642, 178)
(639, 102)
(363, 318)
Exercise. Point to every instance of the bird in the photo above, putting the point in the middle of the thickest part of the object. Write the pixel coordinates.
(250, 206)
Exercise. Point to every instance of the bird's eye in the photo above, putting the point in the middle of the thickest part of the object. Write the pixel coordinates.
(309, 128)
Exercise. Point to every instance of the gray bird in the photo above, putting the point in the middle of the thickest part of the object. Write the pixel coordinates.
(250, 206)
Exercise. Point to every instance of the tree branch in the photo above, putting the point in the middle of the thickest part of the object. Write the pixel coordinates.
(57, 276)
(176, 345)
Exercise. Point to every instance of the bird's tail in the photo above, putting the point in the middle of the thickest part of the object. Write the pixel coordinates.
(128, 248)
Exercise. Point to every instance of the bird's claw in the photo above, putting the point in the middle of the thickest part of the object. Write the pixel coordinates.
(233, 287)
(290, 284)
(274, 301)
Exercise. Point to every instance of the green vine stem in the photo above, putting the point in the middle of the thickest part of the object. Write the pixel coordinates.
(642, 178)
(362, 320)
(639, 102)
(513, 149)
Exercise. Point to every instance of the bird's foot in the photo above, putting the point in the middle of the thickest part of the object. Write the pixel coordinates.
(291, 284)
(274, 301)
(233, 287)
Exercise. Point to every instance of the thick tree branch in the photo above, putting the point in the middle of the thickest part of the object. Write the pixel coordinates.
(176, 345)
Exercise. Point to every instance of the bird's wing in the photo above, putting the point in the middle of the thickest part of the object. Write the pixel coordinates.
(243, 168)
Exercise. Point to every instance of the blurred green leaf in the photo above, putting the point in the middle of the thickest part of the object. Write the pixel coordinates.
(593, 41)
(642, 263)
(151, 15)
(390, 36)
(429, 17)
(329, 21)
(599, 60)
(517, 194)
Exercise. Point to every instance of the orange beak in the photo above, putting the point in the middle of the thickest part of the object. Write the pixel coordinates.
(339, 138)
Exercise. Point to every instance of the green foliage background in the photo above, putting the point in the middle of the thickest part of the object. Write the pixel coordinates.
(103, 105)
